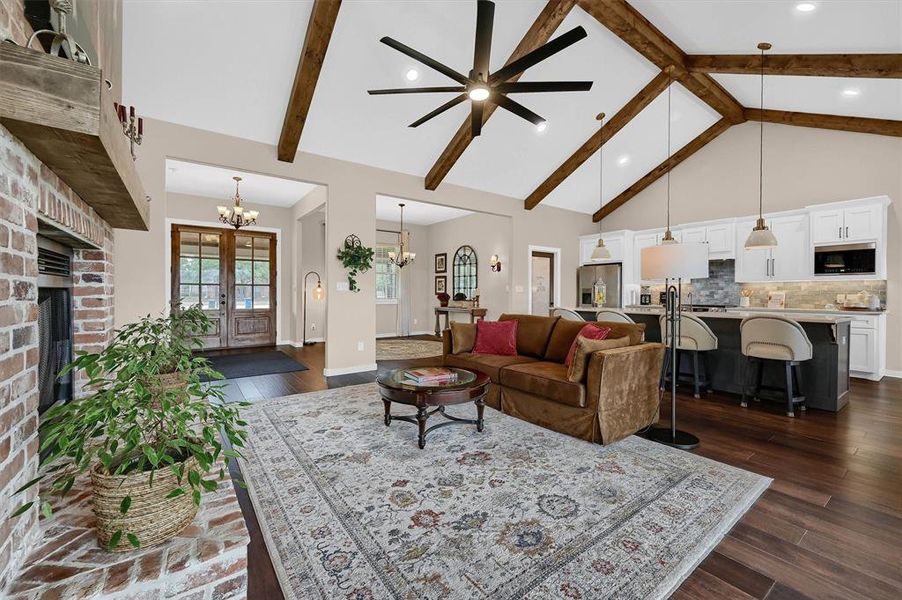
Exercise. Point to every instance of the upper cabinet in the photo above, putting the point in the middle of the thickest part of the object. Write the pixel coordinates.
(616, 243)
(840, 225)
(718, 236)
(791, 260)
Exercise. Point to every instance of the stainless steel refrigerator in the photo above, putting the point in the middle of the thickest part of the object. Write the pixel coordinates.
(610, 274)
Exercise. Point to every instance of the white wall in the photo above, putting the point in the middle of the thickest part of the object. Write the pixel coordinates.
(802, 166)
(352, 189)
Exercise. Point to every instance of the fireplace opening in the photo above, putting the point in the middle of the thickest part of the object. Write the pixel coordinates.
(54, 322)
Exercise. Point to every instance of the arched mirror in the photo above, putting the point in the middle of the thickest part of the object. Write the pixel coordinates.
(464, 276)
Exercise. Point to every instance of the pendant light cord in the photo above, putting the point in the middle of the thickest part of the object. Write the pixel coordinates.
(669, 88)
(761, 146)
(600, 166)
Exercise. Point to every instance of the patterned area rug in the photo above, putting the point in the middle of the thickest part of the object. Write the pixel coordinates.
(352, 509)
(405, 349)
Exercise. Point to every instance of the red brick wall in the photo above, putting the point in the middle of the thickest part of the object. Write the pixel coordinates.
(30, 192)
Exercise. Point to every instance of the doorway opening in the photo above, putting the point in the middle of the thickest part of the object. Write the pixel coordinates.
(544, 279)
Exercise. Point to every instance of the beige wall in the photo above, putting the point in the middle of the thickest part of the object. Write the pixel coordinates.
(802, 167)
(310, 256)
(352, 188)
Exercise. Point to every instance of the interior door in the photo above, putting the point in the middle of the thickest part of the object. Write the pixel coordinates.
(252, 285)
(199, 275)
(542, 284)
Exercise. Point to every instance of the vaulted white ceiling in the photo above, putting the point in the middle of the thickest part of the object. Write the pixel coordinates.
(210, 181)
(415, 213)
(228, 67)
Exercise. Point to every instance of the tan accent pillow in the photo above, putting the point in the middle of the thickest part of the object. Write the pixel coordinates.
(584, 349)
(463, 337)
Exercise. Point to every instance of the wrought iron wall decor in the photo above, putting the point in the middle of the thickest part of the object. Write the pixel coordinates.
(465, 278)
(356, 258)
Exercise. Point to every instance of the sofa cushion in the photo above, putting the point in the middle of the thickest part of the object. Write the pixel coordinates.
(463, 337)
(576, 371)
(496, 337)
(590, 331)
(546, 379)
(566, 331)
(532, 333)
(490, 364)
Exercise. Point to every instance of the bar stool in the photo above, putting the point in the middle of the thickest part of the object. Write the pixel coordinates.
(612, 314)
(696, 338)
(775, 338)
(567, 314)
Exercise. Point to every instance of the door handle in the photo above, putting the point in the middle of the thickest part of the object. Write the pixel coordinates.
(840, 231)
(847, 232)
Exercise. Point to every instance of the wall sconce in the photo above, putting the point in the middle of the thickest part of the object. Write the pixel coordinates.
(495, 263)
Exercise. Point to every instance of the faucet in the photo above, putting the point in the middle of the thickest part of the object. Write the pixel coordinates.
(690, 301)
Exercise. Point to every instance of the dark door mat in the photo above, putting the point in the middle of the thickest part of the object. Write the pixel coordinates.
(249, 364)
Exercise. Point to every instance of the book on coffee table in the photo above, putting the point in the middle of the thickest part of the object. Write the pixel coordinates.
(426, 375)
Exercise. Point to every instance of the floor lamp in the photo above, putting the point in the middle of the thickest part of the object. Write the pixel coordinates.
(673, 263)
(318, 294)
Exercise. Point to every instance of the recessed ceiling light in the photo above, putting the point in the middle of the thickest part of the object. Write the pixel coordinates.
(542, 126)
(805, 6)
(412, 75)
(623, 160)
(851, 92)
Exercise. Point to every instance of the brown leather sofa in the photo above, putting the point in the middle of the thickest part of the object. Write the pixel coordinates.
(618, 396)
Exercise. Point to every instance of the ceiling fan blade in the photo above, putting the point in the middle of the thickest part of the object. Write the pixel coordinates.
(517, 108)
(538, 55)
(530, 87)
(476, 112)
(449, 104)
(422, 90)
(429, 62)
(485, 19)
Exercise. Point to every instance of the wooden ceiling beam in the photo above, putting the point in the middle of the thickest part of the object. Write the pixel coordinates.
(313, 53)
(678, 157)
(629, 25)
(815, 65)
(632, 108)
(543, 27)
(838, 122)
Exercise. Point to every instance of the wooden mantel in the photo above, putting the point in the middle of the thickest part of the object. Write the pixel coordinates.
(63, 112)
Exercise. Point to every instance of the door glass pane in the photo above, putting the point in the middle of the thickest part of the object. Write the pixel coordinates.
(210, 245)
(261, 297)
(209, 297)
(190, 295)
(261, 248)
(243, 246)
(189, 243)
(209, 270)
(243, 269)
(189, 269)
(243, 296)
(261, 272)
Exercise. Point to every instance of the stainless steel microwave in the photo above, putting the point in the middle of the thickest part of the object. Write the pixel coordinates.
(846, 259)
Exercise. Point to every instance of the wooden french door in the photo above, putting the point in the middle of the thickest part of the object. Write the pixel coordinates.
(232, 276)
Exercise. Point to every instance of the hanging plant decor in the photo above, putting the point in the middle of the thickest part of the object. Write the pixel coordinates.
(356, 258)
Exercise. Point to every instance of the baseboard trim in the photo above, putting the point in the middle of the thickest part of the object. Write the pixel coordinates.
(894, 374)
(379, 336)
(349, 370)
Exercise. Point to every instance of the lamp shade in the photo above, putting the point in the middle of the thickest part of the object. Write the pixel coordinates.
(601, 252)
(675, 261)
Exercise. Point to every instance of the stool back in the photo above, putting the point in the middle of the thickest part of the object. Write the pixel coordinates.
(612, 314)
(694, 333)
(774, 337)
(567, 314)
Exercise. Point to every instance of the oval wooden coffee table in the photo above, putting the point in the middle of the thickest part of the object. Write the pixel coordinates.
(471, 386)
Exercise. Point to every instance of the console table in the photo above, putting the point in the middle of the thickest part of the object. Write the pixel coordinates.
(476, 314)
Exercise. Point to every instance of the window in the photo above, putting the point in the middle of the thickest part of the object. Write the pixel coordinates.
(464, 274)
(386, 274)
(252, 276)
(199, 270)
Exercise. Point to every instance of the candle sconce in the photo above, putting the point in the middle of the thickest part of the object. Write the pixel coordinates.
(132, 127)
(495, 263)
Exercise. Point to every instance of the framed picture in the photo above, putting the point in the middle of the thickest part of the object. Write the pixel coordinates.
(441, 263)
(441, 283)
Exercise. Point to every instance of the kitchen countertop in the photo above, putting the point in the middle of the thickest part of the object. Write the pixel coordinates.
(739, 314)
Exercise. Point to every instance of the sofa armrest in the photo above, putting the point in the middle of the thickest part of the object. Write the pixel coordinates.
(446, 342)
(622, 388)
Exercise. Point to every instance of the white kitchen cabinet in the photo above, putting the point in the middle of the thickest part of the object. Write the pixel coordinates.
(751, 265)
(862, 350)
(615, 242)
(587, 244)
(791, 260)
(840, 225)
(721, 240)
(695, 235)
(640, 241)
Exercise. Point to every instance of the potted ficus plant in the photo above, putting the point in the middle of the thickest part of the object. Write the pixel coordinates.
(151, 450)
(356, 258)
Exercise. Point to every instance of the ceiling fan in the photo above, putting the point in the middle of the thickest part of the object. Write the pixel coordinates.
(481, 86)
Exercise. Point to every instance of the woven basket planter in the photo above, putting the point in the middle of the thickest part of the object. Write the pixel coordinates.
(152, 517)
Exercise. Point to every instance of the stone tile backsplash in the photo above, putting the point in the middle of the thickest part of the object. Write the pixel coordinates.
(721, 288)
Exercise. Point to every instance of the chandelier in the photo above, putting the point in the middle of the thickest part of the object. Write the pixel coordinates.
(402, 258)
(236, 216)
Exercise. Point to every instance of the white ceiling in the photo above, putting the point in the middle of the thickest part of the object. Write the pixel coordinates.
(216, 182)
(415, 213)
(242, 88)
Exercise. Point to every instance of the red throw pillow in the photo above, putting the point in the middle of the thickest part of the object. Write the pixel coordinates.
(496, 337)
(590, 331)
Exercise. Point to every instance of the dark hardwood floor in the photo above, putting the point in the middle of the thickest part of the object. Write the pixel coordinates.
(830, 526)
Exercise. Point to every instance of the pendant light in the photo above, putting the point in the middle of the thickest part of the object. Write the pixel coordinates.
(761, 238)
(668, 235)
(403, 257)
(600, 252)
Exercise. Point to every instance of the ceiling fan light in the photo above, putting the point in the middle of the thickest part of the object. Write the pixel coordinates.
(761, 237)
(479, 93)
(601, 251)
(542, 126)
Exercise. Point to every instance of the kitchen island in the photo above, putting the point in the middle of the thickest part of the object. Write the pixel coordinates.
(825, 378)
